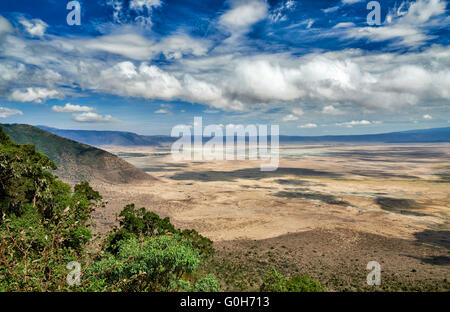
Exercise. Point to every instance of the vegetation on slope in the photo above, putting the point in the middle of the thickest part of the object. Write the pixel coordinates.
(44, 234)
(76, 162)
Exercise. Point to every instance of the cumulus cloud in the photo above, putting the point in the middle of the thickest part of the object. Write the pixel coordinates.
(7, 112)
(137, 47)
(34, 27)
(331, 110)
(145, 81)
(90, 117)
(243, 15)
(31, 94)
(297, 111)
(350, 124)
(307, 126)
(70, 108)
(240, 81)
(162, 111)
(427, 117)
(5, 26)
(290, 117)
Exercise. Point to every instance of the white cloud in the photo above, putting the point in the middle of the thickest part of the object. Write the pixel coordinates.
(7, 112)
(331, 110)
(144, 82)
(137, 47)
(427, 117)
(90, 117)
(330, 9)
(240, 83)
(290, 117)
(344, 25)
(162, 111)
(297, 111)
(225, 80)
(37, 95)
(5, 26)
(352, 123)
(279, 14)
(70, 108)
(350, 1)
(142, 8)
(211, 111)
(243, 15)
(308, 125)
(34, 27)
(408, 27)
(133, 46)
(140, 5)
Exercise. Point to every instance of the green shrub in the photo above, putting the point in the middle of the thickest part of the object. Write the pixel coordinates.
(206, 284)
(303, 283)
(142, 223)
(152, 264)
(275, 282)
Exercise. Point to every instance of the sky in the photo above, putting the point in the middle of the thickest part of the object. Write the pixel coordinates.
(311, 67)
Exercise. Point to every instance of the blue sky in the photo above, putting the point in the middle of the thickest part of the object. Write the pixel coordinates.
(312, 67)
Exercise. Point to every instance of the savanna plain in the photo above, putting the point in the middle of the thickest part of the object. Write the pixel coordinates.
(326, 211)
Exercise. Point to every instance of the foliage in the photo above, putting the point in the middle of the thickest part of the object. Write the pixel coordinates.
(303, 283)
(275, 282)
(149, 264)
(44, 225)
(35, 251)
(24, 178)
(139, 222)
(206, 284)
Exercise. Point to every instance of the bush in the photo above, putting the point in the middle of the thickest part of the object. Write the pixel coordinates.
(34, 252)
(152, 264)
(303, 283)
(142, 223)
(275, 282)
(206, 284)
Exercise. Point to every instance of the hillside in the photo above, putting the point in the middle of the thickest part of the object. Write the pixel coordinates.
(118, 138)
(77, 161)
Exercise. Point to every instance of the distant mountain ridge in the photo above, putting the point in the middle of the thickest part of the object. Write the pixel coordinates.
(76, 161)
(433, 135)
(99, 138)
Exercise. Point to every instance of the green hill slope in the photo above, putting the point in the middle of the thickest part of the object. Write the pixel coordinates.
(77, 161)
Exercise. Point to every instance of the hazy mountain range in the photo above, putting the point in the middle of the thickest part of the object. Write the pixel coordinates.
(99, 138)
